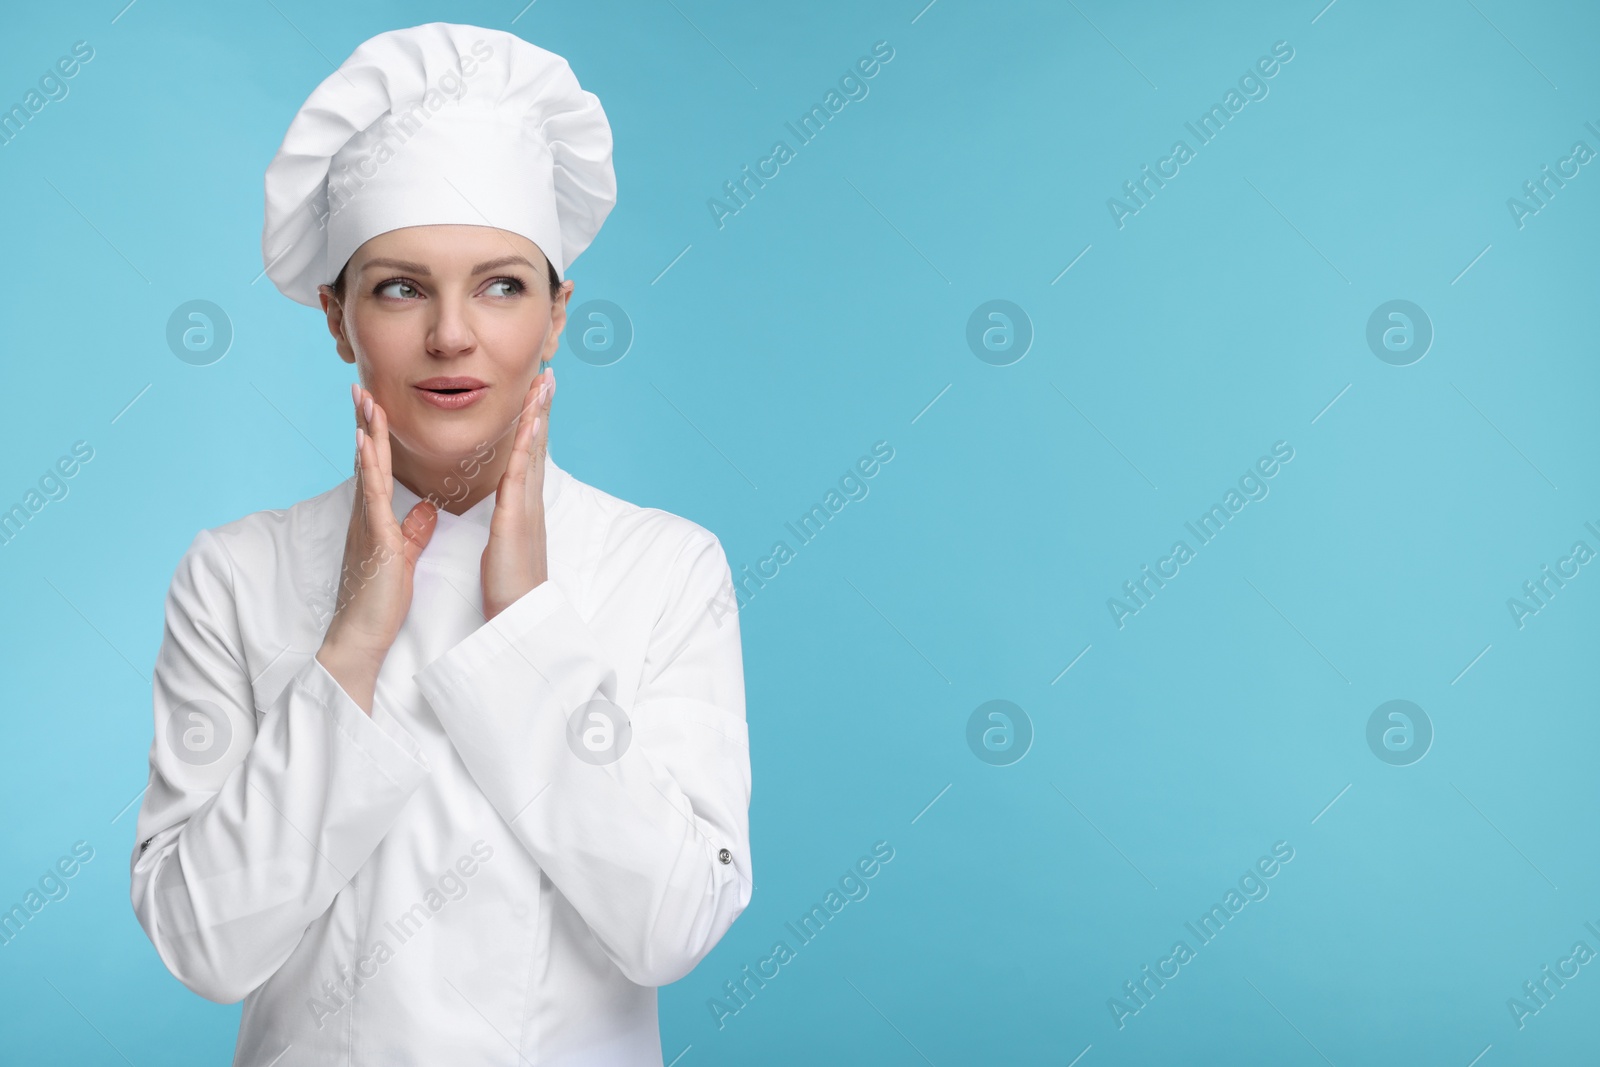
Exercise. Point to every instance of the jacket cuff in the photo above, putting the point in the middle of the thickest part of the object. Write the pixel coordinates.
(389, 746)
(507, 630)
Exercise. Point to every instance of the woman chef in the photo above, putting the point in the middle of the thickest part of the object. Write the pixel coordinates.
(450, 762)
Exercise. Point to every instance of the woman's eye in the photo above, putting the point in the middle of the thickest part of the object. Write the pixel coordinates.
(510, 286)
(410, 290)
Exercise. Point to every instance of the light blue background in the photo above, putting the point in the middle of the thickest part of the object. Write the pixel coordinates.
(1228, 314)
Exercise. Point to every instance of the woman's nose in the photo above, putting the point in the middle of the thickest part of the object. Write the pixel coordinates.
(451, 333)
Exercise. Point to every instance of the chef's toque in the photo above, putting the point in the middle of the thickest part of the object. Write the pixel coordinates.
(440, 123)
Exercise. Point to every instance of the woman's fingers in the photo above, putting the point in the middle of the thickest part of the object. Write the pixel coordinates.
(530, 448)
(517, 463)
(380, 437)
(514, 560)
(368, 480)
(541, 442)
(418, 528)
(375, 482)
(379, 553)
(355, 403)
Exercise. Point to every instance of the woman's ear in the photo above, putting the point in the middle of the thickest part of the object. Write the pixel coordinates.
(334, 310)
(558, 320)
(558, 306)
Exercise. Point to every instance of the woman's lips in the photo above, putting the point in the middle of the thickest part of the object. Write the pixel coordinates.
(451, 394)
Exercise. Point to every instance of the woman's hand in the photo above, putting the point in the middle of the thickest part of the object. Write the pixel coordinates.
(514, 561)
(380, 556)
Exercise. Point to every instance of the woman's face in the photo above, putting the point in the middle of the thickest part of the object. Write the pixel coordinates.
(447, 326)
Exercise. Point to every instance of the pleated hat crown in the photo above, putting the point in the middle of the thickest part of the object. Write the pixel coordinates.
(439, 123)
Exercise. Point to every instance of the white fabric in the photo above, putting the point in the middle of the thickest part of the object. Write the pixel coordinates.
(439, 123)
(274, 872)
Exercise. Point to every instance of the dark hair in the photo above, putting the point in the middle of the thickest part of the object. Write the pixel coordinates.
(550, 269)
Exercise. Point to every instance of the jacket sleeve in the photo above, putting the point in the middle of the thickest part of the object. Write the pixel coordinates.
(247, 830)
(648, 837)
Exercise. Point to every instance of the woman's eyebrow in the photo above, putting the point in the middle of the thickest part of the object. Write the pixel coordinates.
(421, 269)
(503, 261)
(396, 264)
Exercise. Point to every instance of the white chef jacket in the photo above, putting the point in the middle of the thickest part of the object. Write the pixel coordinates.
(448, 881)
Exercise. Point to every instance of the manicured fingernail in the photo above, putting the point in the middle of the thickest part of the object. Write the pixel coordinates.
(536, 426)
(358, 439)
(355, 394)
(366, 407)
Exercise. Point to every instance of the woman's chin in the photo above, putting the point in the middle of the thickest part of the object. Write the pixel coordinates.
(452, 444)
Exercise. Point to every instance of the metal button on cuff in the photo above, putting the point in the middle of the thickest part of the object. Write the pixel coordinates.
(725, 856)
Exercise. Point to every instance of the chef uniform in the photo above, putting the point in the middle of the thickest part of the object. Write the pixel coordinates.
(545, 816)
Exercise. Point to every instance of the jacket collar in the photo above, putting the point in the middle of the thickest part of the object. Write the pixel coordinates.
(555, 480)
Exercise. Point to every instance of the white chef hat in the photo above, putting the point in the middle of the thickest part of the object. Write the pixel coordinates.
(440, 123)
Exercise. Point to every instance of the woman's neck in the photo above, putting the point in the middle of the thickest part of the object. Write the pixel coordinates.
(455, 486)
